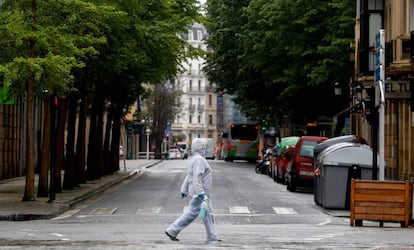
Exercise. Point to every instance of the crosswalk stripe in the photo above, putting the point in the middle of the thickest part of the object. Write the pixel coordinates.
(152, 210)
(239, 210)
(284, 210)
(156, 210)
(103, 211)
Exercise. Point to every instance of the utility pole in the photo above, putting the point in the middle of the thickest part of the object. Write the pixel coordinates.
(379, 78)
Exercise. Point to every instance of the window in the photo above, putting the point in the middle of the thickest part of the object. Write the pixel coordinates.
(199, 85)
(375, 4)
(191, 85)
(199, 35)
(210, 100)
(190, 119)
(210, 119)
(190, 35)
(307, 148)
(199, 119)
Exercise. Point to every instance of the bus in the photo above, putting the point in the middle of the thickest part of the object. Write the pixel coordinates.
(241, 142)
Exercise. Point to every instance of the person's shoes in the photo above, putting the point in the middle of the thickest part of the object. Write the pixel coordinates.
(173, 238)
(213, 242)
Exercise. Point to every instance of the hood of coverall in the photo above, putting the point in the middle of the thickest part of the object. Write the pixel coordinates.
(199, 146)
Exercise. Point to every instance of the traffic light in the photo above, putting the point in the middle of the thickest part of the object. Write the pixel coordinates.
(263, 126)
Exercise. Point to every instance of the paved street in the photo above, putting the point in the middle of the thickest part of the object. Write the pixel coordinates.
(252, 212)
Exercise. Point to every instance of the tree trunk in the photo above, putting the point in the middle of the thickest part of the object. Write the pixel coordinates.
(80, 172)
(116, 133)
(60, 144)
(107, 139)
(99, 128)
(91, 170)
(29, 191)
(42, 186)
(69, 177)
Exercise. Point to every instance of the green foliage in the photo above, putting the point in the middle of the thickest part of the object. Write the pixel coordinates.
(277, 55)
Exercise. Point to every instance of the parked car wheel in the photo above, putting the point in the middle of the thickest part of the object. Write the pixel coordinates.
(278, 177)
(290, 185)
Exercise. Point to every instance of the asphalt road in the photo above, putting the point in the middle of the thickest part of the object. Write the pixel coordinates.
(252, 212)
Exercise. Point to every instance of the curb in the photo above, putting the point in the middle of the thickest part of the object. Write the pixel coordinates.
(61, 207)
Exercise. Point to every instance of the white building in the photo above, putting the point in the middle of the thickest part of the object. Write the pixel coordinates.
(198, 116)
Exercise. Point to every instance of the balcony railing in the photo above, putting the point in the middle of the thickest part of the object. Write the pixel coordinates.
(200, 107)
(191, 107)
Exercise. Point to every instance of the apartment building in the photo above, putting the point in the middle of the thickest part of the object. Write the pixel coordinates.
(396, 18)
(198, 116)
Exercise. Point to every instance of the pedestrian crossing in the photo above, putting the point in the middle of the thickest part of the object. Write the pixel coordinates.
(232, 210)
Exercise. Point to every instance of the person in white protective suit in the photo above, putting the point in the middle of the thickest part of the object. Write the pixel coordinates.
(196, 185)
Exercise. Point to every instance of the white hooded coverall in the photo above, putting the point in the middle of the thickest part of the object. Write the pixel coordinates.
(198, 181)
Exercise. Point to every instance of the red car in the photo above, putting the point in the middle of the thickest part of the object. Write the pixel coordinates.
(301, 171)
(284, 160)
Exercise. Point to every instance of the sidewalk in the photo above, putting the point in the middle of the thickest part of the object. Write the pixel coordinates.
(12, 208)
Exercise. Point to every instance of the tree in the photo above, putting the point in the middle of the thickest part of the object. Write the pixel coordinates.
(42, 42)
(284, 51)
(95, 51)
(162, 106)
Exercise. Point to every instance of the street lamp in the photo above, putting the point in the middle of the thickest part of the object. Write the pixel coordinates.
(338, 93)
(148, 131)
(337, 89)
(358, 89)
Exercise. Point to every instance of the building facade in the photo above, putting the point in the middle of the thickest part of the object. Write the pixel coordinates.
(198, 102)
(396, 18)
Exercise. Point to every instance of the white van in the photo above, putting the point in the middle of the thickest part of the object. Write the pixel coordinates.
(183, 146)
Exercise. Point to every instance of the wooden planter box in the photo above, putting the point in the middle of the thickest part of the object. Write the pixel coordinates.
(380, 201)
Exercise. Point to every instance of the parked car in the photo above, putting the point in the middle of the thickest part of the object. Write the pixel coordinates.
(301, 171)
(174, 153)
(183, 146)
(284, 161)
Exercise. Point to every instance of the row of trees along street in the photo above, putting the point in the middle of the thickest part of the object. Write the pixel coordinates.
(281, 58)
(86, 58)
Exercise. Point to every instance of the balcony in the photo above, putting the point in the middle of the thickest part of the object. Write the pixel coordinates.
(195, 126)
(191, 107)
(196, 90)
(194, 72)
(200, 107)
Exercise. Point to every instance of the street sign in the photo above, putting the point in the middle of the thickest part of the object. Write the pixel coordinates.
(379, 56)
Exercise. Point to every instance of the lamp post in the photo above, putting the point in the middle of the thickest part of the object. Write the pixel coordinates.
(337, 89)
(338, 93)
(148, 131)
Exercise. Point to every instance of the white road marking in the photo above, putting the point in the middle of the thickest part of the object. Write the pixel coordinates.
(103, 211)
(152, 210)
(239, 210)
(57, 234)
(66, 214)
(284, 210)
(327, 221)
